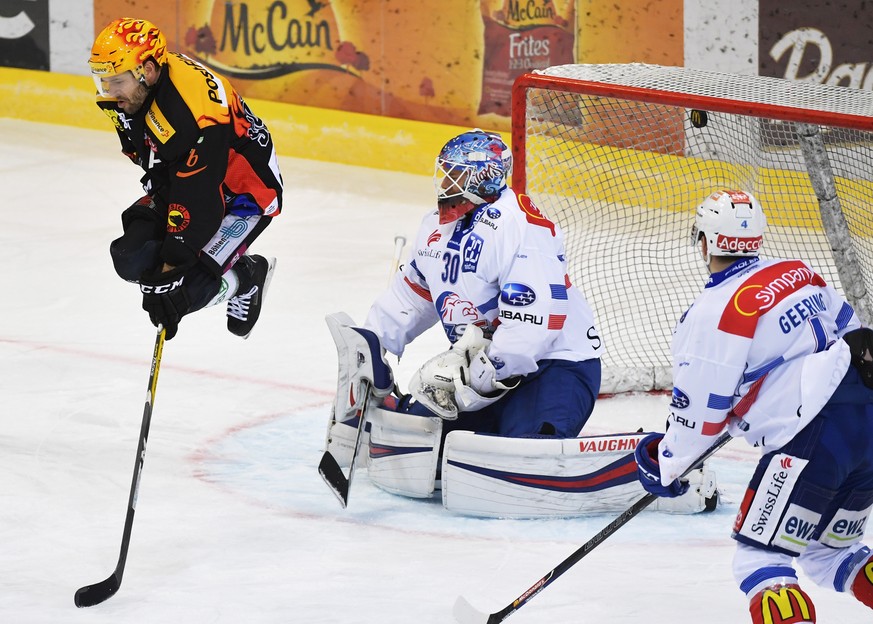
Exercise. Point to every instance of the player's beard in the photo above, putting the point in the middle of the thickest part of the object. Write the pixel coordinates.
(137, 99)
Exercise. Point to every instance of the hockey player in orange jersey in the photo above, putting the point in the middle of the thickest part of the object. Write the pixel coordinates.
(212, 180)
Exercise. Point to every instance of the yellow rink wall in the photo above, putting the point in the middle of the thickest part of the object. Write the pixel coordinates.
(298, 131)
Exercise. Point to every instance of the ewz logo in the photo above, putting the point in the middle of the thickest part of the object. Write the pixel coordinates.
(799, 528)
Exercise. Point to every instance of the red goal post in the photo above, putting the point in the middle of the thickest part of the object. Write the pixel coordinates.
(620, 156)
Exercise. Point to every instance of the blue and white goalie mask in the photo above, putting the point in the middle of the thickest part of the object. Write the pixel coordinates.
(471, 170)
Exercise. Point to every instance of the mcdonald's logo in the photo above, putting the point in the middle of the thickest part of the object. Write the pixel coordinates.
(786, 604)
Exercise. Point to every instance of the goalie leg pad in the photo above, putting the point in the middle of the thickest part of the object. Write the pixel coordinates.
(361, 369)
(359, 358)
(500, 477)
(403, 452)
(341, 437)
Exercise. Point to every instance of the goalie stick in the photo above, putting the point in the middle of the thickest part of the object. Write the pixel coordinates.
(90, 595)
(328, 467)
(465, 613)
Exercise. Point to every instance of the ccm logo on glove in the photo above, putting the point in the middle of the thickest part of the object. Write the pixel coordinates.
(160, 289)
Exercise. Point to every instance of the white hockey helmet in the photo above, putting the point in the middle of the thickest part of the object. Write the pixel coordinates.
(733, 223)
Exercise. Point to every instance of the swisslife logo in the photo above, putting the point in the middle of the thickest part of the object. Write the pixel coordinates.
(764, 506)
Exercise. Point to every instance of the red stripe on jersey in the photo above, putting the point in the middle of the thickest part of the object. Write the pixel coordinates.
(556, 321)
(744, 405)
(713, 429)
(241, 178)
(567, 281)
(418, 290)
(761, 291)
(742, 408)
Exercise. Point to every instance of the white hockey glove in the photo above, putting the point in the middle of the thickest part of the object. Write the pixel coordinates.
(476, 386)
(433, 384)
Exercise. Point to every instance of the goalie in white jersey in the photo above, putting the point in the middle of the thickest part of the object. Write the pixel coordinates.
(771, 352)
(490, 267)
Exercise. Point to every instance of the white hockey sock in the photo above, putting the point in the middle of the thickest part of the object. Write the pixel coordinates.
(229, 286)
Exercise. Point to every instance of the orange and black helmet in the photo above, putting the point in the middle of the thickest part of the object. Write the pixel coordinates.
(125, 45)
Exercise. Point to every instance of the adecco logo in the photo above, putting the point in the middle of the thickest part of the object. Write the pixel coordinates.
(734, 243)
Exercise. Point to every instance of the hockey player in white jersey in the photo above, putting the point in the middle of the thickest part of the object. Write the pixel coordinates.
(487, 262)
(771, 352)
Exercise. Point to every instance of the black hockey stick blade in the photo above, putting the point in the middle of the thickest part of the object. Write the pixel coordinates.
(333, 475)
(465, 613)
(91, 595)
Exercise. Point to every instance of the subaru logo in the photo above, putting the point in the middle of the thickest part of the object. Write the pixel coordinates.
(517, 295)
(680, 399)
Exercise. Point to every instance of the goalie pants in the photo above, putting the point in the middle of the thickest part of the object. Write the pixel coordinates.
(810, 500)
(138, 250)
(556, 401)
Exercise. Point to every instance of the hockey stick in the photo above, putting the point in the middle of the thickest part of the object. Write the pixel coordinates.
(465, 613)
(90, 595)
(328, 467)
(399, 244)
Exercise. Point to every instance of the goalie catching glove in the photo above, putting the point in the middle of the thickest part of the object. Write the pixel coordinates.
(461, 379)
(476, 386)
(646, 455)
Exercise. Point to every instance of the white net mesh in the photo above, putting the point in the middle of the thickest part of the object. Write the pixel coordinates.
(620, 156)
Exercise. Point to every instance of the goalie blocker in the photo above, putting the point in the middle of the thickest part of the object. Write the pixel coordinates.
(493, 476)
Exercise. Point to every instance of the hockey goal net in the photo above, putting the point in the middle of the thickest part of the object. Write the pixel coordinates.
(621, 155)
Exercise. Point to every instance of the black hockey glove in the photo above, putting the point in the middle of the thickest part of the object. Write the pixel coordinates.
(165, 298)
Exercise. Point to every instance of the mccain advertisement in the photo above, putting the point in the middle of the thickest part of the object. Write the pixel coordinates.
(453, 61)
(820, 42)
(450, 62)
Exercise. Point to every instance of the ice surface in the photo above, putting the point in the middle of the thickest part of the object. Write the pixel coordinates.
(233, 523)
